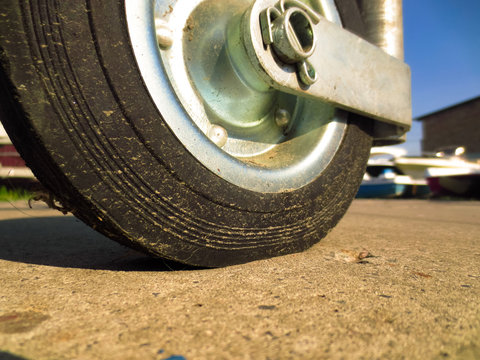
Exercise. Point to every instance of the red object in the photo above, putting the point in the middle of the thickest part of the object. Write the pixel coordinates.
(10, 157)
(455, 185)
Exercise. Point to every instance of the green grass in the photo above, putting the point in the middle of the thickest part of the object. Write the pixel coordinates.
(13, 194)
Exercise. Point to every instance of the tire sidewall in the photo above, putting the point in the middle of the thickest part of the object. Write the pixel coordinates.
(84, 156)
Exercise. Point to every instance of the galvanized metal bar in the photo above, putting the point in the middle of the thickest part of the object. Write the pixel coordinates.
(384, 25)
(352, 73)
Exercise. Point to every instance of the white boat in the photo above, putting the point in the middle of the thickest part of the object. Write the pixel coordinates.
(455, 181)
(4, 139)
(417, 166)
(383, 179)
(446, 173)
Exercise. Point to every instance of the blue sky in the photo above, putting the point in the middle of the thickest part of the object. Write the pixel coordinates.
(442, 47)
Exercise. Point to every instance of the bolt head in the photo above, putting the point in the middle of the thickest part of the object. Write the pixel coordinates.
(164, 35)
(282, 118)
(294, 39)
(218, 135)
(308, 75)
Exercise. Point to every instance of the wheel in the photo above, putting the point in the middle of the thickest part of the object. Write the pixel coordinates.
(165, 149)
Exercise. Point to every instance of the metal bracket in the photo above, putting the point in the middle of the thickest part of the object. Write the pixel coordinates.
(296, 50)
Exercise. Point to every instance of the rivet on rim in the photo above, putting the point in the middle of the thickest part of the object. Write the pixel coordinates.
(218, 135)
(164, 34)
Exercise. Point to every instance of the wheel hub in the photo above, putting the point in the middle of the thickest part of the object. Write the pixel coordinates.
(191, 58)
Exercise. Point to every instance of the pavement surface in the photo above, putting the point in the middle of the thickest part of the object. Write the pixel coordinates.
(396, 279)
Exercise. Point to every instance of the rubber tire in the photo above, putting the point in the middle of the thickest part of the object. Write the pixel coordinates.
(75, 106)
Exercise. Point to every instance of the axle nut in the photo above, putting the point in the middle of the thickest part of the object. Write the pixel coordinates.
(293, 36)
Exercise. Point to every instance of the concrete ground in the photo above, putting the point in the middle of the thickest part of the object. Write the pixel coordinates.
(68, 293)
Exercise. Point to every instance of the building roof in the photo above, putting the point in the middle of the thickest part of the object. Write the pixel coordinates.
(448, 108)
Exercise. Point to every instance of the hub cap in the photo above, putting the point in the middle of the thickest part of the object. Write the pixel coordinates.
(190, 57)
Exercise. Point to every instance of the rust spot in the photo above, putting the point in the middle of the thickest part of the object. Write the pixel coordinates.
(22, 321)
(169, 11)
(189, 27)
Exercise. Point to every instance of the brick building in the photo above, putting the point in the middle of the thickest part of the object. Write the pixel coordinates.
(454, 126)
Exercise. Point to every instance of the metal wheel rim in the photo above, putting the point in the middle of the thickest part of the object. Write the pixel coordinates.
(285, 164)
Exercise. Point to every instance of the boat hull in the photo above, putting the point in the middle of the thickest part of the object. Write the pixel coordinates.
(455, 185)
(387, 190)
